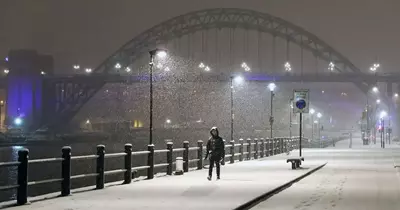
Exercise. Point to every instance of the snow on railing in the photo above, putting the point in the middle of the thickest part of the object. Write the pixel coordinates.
(258, 147)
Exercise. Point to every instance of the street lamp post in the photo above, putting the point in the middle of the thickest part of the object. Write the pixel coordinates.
(271, 87)
(319, 115)
(290, 117)
(153, 53)
(232, 117)
(238, 80)
(1, 113)
(312, 111)
(382, 115)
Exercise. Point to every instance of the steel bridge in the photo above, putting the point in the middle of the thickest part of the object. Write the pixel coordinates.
(222, 38)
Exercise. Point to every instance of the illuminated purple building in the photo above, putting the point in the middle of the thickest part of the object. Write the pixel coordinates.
(27, 69)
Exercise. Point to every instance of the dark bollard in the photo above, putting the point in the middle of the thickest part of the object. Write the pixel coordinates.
(200, 155)
(150, 161)
(128, 164)
(262, 147)
(22, 190)
(186, 156)
(256, 148)
(170, 147)
(241, 156)
(249, 149)
(100, 167)
(66, 171)
(232, 151)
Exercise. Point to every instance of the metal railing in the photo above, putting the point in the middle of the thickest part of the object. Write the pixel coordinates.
(254, 148)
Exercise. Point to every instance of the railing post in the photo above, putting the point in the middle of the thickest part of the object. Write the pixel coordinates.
(100, 167)
(271, 148)
(241, 156)
(232, 151)
(66, 171)
(128, 164)
(262, 147)
(256, 148)
(150, 161)
(186, 156)
(22, 190)
(170, 147)
(249, 149)
(285, 145)
(281, 147)
(200, 155)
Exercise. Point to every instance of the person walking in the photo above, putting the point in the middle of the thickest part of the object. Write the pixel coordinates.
(216, 151)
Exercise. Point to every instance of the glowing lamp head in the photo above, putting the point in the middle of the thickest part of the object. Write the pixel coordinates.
(161, 53)
(312, 111)
(375, 89)
(271, 86)
(378, 101)
(18, 121)
(319, 115)
(382, 114)
(238, 79)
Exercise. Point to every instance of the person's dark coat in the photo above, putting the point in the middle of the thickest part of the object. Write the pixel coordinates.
(215, 145)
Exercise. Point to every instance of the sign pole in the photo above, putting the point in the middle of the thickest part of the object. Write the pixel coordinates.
(301, 132)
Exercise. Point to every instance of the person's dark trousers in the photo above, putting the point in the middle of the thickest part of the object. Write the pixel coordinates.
(214, 159)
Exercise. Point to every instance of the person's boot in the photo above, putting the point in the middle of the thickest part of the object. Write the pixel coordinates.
(209, 178)
(218, 178)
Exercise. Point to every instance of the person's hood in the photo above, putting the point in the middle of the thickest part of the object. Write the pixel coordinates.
(216, 129)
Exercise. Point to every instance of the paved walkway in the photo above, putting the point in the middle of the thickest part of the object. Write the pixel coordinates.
(359, 178)
(240, 183)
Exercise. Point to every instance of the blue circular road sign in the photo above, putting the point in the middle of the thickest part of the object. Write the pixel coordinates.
(301, 104)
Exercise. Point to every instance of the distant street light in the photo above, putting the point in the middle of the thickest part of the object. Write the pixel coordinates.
(76, 67)
(18, 121)
(374, 67)
(128, 69)
(207, 68)
(201, 65)
(288, 67)
(375, 89)
(42, 73)
(88, 70)
(245, 66)
(161, 54)
(396, 95)
(378, 101)
(168, 121)
(6, 71)
(383, 114)
(331, 66)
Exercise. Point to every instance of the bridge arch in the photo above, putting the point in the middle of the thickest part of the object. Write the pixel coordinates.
(226, 18)
(192, 22)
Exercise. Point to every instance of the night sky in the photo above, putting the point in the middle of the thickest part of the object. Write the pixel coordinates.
(87, 31)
